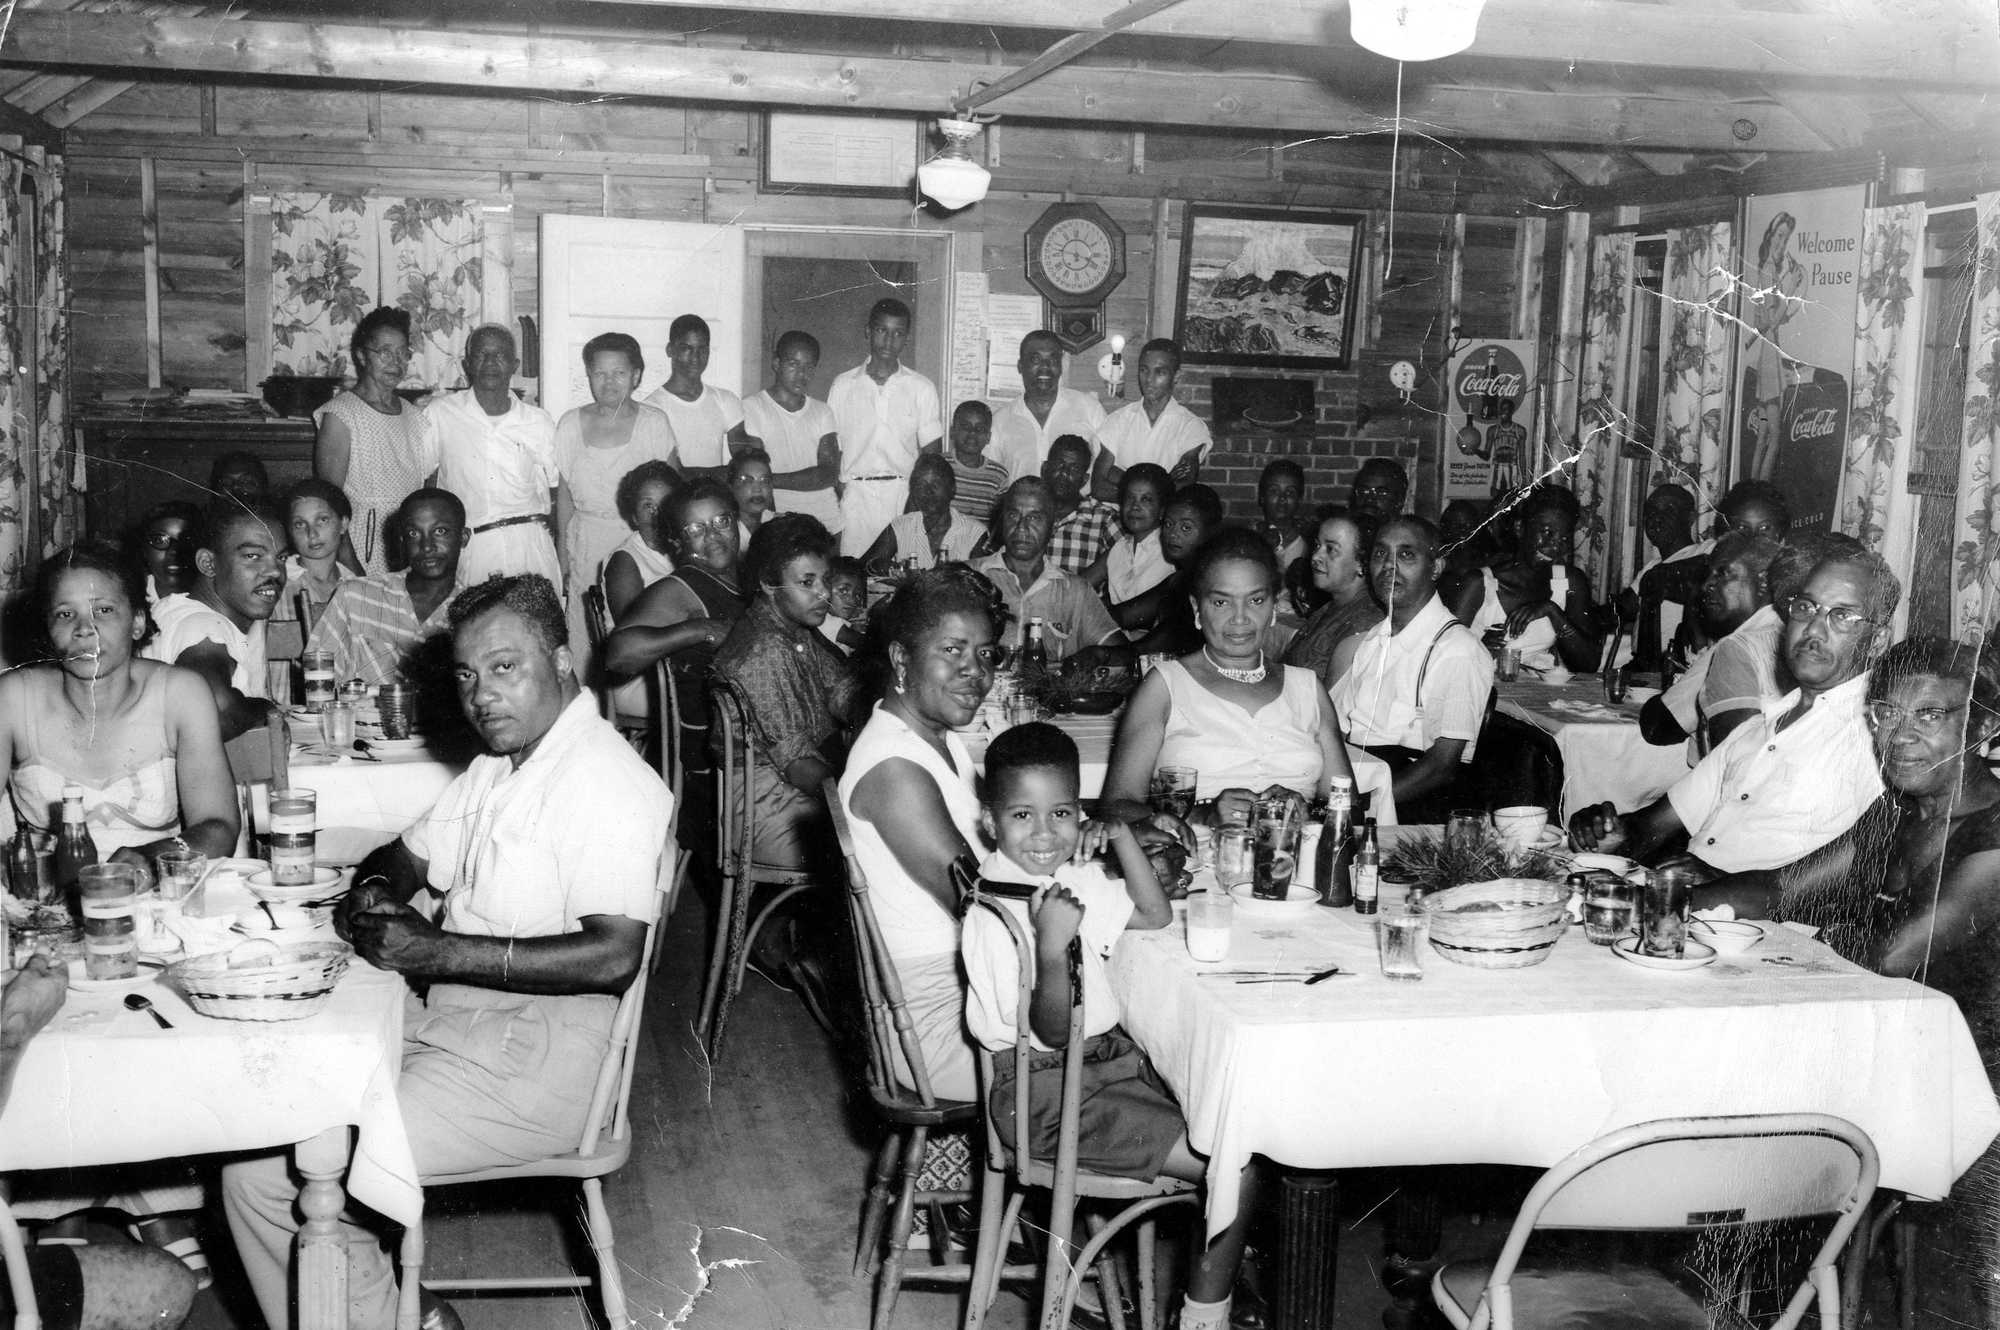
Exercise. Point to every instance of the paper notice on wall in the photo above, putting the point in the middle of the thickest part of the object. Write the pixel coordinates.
(968, 339)
(1008, 320)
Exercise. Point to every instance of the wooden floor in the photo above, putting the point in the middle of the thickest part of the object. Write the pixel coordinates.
(739, 1207)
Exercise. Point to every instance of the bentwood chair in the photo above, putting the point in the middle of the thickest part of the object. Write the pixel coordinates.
(737, 923)
(1065, 1265)
(1688, 1174)
(662, 729)
(603, 1148)
(260, 756)
(914, 1117)
(14, 1252)
(597, 619)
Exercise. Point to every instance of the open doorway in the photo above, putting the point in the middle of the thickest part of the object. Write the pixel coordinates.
(824, 282)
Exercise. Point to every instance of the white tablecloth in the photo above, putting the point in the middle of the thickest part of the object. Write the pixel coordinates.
(364, 805)
(1604, 755)
(1524, 1066)
(1094, 736)
(103, 1085)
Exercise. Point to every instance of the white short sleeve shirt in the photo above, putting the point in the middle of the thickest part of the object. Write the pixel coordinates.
(701, 427)
(1130, 438)
(792, 439)
(883, 426)
(992, 960)
(1021, 443)
(1378, 701)
(182, 622)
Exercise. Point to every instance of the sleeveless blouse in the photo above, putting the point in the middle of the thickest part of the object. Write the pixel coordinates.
(591, 476)
(382, 470)
(1538, 644)
(1233, 749)
(139, 805)
(653, 565)
(690, 667)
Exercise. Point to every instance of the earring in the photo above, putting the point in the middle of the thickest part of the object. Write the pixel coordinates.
(901, 686)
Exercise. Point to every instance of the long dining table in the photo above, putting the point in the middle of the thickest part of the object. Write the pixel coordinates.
(104, 1085)
(366, 799)
(1523, 1066)
(1604, 756)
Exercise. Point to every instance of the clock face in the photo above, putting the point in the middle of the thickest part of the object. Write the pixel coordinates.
(1076, 255)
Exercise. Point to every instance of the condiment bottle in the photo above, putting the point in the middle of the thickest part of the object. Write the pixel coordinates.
(1035, 654)
(24, 868)
(1333, 860)
(1367, 871)
(75, 850)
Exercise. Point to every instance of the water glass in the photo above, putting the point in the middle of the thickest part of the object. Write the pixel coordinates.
(294, 838)
(1401, 931)
(1275, 846)
(109, 897)
(1173, 791)
(1615, 680)
(1234, 862)
(180, 874)
(396, 708)
(336, 726)
(317, 666)
(1509, 667)
(1609, 903)
(1663, 902)
(1466, 829)
(1209, 914)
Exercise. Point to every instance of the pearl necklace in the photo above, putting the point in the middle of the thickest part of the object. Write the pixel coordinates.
(1255, 674)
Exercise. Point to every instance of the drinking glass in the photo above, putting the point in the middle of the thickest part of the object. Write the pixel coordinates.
(1466, 829)
(1509, 667)
(1275, 846)
(294, 837)
(180, 874)
(1209, 914)
(336, 726)
(396, 707)
(1173, 791)
(317, 666)
(1663, 912)
(1608, 906)
(109, 898)
(1401, 930)
(1234, 863)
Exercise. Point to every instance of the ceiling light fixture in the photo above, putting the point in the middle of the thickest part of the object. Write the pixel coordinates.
(1413, 30)
(952, 180)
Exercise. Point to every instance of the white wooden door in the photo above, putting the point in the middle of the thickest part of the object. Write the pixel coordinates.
(615, 274)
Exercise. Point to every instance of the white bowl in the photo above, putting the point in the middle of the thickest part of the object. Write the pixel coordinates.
(1297, 904)
(1731, 937)
(1693, 956)
(326, 882)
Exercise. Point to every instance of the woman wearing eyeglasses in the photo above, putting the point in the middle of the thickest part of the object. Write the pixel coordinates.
(682, 619)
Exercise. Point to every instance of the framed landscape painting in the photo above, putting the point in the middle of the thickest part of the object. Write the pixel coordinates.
(1268, 286)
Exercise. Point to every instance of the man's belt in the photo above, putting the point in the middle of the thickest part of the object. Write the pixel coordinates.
(850, 480)
(541, 518)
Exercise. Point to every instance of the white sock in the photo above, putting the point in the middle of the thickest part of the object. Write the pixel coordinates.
(1204, 1315)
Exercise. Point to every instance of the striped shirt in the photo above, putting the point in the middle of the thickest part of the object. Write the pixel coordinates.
(979, 487)
(372, 629)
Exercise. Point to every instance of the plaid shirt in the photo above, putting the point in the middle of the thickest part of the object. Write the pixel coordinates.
(1078, 539)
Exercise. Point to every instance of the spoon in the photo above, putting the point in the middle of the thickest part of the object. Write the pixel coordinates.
(140, 1002)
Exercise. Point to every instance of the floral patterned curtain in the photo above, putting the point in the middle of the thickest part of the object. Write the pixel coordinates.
(1602, 425)
(334, 257)
(1978, 524)
(1694, 360)
(36, 460)
(1875, 503)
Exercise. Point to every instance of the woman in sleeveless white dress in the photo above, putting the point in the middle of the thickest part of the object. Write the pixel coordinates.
(367, 442)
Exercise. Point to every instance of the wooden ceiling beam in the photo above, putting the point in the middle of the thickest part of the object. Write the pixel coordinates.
(1945, 42)
(135, 45)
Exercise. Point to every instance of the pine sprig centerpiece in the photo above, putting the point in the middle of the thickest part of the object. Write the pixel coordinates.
(1432, 863)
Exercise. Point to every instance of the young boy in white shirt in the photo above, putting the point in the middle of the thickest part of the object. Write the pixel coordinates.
(1130, 1124)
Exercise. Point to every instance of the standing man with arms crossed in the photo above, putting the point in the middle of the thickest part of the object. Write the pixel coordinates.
(886, 413)
(498, 455)
(799, 433)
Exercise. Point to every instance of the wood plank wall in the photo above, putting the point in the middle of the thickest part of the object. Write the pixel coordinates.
(212, 144)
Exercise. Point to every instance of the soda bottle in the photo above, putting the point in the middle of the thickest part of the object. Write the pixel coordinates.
(1333, 861)
(1035, 654)
(1367, 871)
(75, 850)
(24, 868)
(1489, 400)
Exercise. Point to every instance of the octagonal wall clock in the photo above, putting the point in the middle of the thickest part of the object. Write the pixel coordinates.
(1075, 256)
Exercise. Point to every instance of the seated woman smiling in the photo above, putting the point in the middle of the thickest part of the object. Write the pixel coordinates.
(1245, 723)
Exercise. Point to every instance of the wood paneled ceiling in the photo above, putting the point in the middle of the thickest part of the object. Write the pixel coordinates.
(1595, 92)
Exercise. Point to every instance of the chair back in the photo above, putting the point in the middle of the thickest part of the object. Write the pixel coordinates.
(666, 697)
(14, 1253)
(888, 1026)
(597, 622)
(1702, 1173)
(736, 807)
(260, 756)
(611, 1096)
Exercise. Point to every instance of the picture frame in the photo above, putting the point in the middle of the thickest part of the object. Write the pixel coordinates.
(860, 156)
(1268, 287)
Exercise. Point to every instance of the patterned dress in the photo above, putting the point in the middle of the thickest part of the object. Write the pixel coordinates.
(382, 469)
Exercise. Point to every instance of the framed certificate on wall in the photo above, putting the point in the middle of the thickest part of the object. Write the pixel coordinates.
(873, 156)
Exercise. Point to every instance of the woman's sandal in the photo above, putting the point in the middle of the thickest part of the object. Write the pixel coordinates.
(174, 1235)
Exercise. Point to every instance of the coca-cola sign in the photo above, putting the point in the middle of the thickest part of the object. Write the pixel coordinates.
(1819, 423)
(1506, 378)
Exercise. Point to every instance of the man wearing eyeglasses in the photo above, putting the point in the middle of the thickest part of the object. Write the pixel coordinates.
(1798, 775)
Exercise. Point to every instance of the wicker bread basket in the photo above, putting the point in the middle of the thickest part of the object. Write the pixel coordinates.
(1509, 923)
(291, 986)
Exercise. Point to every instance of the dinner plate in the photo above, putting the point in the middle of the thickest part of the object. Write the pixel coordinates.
(410, 745)
(147, 974)
(326, 883)
(1298, 903)
(1697, 955)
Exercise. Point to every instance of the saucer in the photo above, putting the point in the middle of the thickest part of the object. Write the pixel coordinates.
(326, 882)
(78, 984)
(1695, 955)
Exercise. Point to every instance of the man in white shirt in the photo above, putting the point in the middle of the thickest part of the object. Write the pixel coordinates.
(707, 420)
(1074, 620)
(1156, 428)
(1044, 412)
(539, 866)
(886, 413)
(216, 628)
(1799, 774)
(1417, 692)
(497, 454)
(799, 433)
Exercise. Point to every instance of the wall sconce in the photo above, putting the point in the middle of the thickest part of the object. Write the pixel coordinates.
(952, 180)
(1111, 365)
(1414, 30)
